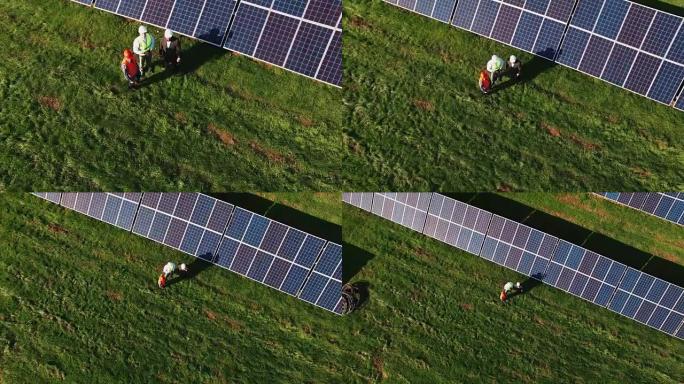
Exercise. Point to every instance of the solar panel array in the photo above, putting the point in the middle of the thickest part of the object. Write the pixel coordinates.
(256, 247)
(626, 44)
(118, 209)
(302, 36)
(546, 258)
(533, 26)
(668, 206)
(457, 224)
(363, 200)
(407, 209)
(518, 247)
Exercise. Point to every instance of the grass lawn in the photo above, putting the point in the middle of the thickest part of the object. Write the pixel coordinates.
(416, 120)
(68, 121)
(78, 302)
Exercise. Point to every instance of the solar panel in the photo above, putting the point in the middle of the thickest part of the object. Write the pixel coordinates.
(628, 45)
(53, 197)
(363, 200)
(407, 209)
(668, 206)
(583, 273)
(456, 223)
(267, 251)
(205, 20)
(84, 2)
(518, 247)
(650, 301)
(300, 36)
(437, 9)
(324, 285)
(680, 101)
(533, 26)
(118, 209)
(190, 222)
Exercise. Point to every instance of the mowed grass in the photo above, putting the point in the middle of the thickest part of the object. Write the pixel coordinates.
(645, 232)
(416, 120)
(68, 121)
(78, 303)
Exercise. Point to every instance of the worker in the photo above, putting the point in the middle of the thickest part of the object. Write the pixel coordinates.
(161, 282)
(514, 67)
(143, 46)
(169, 269)
(169, 50)
(495, 66)
(129, 67)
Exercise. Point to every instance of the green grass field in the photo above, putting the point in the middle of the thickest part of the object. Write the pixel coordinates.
(416, 120)
(78, 303)
(68, 121)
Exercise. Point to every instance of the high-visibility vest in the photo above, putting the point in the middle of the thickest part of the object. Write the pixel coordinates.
(149, 43)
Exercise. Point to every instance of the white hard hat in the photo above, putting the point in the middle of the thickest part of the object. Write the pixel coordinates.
(513, 59)
(183, 267)
(495, 57)
(142, 29)
(168, 34)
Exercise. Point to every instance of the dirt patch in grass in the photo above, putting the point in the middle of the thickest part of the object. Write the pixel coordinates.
(271, 155)
(550, 129)
(305, 121)
(379, 367)
(223, 136)
(504, 188)
(359, 22)
(87, 44)
(466, 306)
(114, 296)
(641, 172)
(54, 228)
(233, 324)
(50, 102)
(424, 105)
(584, 143)
(209, 314)
(181, 117)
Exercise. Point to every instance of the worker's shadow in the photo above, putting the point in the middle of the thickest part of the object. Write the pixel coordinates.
(529, 284)
(530, 70)
(191, 60)
(195, 268)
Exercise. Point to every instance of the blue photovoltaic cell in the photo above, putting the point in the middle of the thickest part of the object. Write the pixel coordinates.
(443, 9)
(667, 82)
(185, 15)
(595, 55)
(326, 12)
(308, 48)
(518, 247)
(676, 52)
(246, 29)
(650, 301)
(538, 6)
(573, 47)
(506, 22)
(636, 25)
(456, 223)
(465, 12)
(277, 36)
(407, 209)
(549, 38)
(131, 8)
(662, 32)
(292, 7)
(190, 222)
(330, 70)
(324, 286)
(612, 15)
(584, 273)
(621, 59)
(85, 2)
(586, 14)
(118, 209)
(269, 252)
(213, 23)
(363, 200)
(527, 31)
(485, 17)
(157, 12)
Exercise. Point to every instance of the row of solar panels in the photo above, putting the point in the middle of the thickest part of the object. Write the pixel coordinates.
(668, 206)
(626, 44)
(536, 254)
(277, 255)
(303, 36)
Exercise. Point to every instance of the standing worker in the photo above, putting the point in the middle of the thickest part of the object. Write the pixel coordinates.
(130, 69)
(514, 67)
(169, 50)
(494, 67)
(143, 46)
